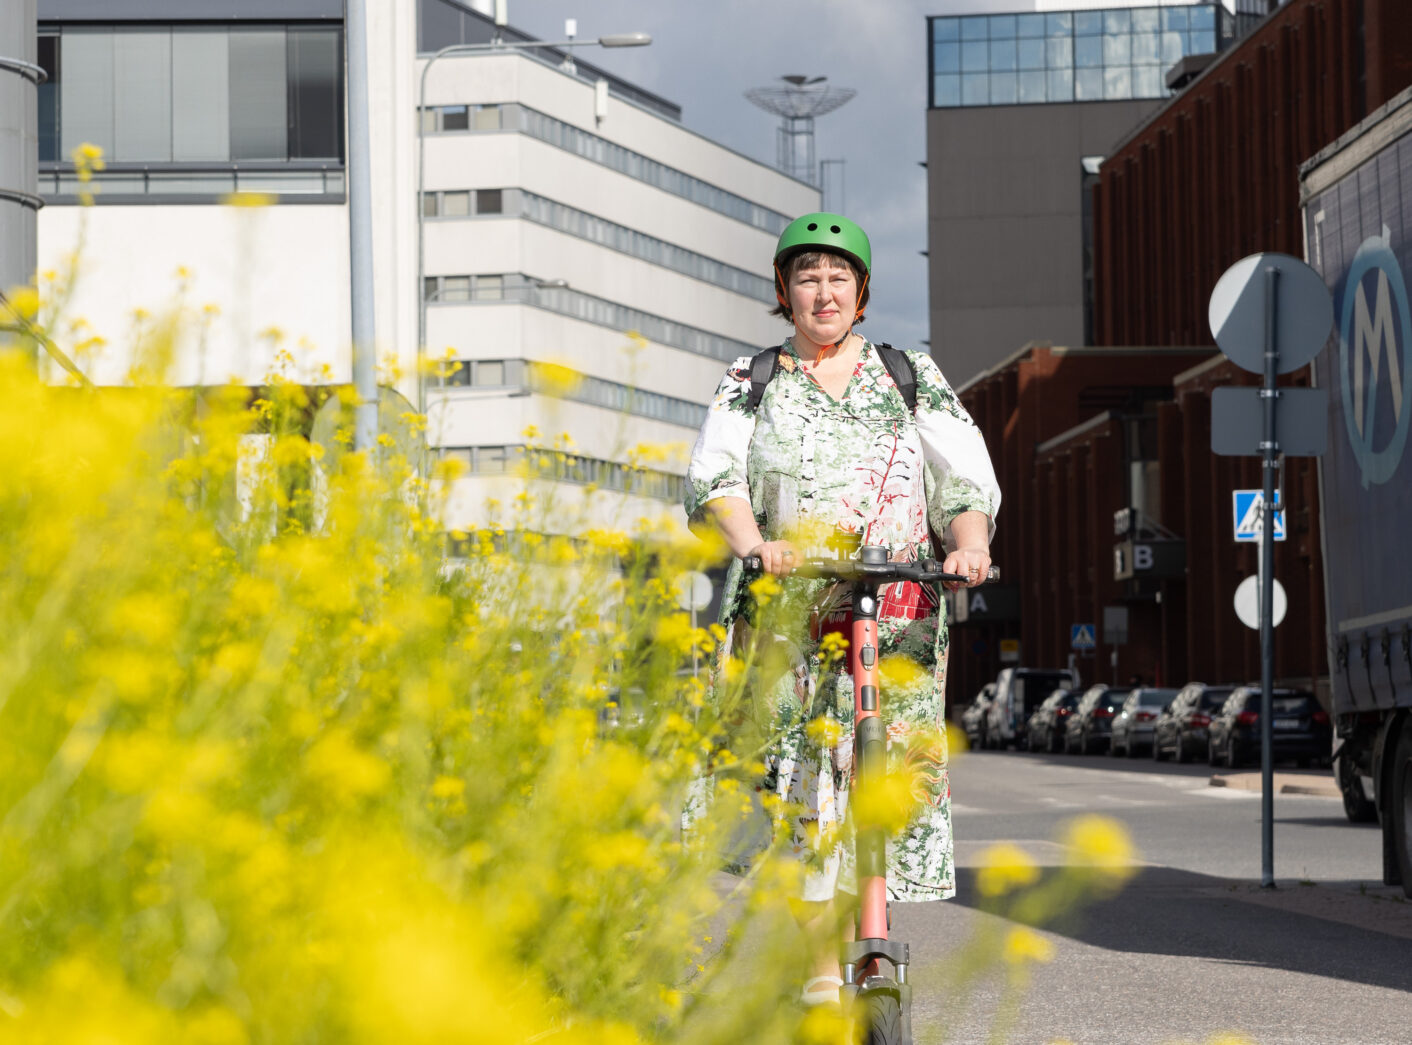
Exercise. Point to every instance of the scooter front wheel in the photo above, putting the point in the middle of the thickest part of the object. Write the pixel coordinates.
(883, 1012)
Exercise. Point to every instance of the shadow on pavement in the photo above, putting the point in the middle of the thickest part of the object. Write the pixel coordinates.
(1329, 929)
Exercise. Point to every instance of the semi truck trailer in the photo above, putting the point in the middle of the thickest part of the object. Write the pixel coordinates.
(1356, 197)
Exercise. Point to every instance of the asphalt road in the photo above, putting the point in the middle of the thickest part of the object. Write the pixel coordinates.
(1192, 947)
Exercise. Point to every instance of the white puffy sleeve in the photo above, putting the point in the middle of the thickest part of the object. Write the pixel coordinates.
(959, 475)
(718, 460)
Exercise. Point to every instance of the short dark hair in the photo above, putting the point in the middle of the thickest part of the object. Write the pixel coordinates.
(810, 259)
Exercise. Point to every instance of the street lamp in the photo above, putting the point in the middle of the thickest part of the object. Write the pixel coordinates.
(498, 45)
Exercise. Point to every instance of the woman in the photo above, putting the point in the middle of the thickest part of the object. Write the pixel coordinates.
(830, 452)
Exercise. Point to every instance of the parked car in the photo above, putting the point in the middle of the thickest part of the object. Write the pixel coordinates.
(1090, 727)
(1300, 728)
(1046, 728)
(1018, 693)
(1133, 724)
(973, 718)
(1182, 729)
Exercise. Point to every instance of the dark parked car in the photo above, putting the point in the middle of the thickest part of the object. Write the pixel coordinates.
(1132, 725)
(1182, 728)
(1046, 729)
(1301, 728)
(1090, 727)
(973, 718)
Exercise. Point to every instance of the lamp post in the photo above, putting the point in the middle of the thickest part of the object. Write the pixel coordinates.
(496, 46)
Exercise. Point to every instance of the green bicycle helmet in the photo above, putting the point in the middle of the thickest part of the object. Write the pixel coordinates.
(831, 233)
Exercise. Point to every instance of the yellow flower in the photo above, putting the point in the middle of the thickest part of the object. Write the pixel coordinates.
(825, 731)
(1100, 843)
(901, 675)
(765, 587)
(448, 787)
(1005, 866)
(248, 199)
(22, 302)
(1023, 946)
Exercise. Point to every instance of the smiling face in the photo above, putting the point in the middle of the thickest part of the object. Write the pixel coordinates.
(823, 297)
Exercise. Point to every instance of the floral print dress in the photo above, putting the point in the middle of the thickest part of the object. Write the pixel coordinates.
(812, 469)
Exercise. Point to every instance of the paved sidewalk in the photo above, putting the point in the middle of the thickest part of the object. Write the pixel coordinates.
(1287, 782)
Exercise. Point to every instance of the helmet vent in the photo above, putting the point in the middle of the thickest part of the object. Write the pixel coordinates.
(813, 226)
(835, 229)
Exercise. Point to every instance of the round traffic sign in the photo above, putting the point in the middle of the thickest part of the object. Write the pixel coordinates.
(1247, 603)
(1304, 312)
(694, 591)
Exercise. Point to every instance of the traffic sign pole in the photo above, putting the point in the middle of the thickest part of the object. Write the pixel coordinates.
(1270, 449)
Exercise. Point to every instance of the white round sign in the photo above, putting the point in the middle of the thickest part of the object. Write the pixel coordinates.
(1247, 603)
(1303, 314)
(694, 591)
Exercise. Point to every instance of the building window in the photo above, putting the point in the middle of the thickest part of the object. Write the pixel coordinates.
(189, 96)
(539, 463)
(488, 201)
(1067, 56)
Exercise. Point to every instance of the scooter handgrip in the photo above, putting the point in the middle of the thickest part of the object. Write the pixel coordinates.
(753, 562)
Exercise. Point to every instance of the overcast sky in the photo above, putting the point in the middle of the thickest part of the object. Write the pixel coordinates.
(706, 53)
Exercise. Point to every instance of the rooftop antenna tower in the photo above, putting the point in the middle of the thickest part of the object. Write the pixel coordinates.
(796, 102)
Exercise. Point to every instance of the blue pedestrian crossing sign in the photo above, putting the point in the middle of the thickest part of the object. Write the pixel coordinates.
(1082, 637)
(1249, 508)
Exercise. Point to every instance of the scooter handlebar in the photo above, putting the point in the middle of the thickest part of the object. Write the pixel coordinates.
(927, 571)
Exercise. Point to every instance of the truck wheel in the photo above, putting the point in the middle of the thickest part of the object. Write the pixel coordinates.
(1399, 811)
(1355, 806)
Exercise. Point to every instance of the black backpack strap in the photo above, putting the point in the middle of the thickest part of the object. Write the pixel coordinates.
(904, 375)
(763, 368)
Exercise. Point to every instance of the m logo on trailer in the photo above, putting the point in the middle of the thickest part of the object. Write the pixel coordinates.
(1375, 359)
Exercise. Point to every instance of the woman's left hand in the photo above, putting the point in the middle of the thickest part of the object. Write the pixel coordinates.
(973, 563)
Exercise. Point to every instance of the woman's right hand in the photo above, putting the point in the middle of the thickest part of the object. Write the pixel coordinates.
(777, 557)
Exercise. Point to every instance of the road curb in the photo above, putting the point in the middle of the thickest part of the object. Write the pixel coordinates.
(1285, 784)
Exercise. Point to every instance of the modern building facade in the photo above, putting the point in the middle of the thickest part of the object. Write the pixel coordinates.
(582, 263)
(19, 200)
(1022, 108)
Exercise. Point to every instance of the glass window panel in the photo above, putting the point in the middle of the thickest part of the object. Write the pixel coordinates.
(1088, 85)
(974, 28)
(1032, 87)
(1174, 18)
(1002, 25)
(1061, 85)
(1003, 90)
(1171, 48)
(1060, 52)
(491, 459)
(1202, 18)
(1029, 25)
(1032, 54)
(945, 29)
(975, 89)
(1117, 50)
(946, 90)
(1117, 82)
(111, 184)
(429, 205)
(86, 90)
(428, 119)
(490, 372)
(315, 94)
(489, 201)
(487, 117)
(429, 286)
(281, 181)
(1059, 24)
(1147, 48)
(1148, 82)
(48, 60)
(455, 288)
(490, 288)
(200, 94)
(1117, 21)
(455, 118)
(214, 183)
(259, 129)
(455, 204)
(1088, 52)
(1146, 20)
(1002, 56)
(1202, 43)
(946, 58)
(975, 57)
(1088, 23)
(142, 95)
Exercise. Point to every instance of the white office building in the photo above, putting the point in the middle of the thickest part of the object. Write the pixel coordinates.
(588, 265)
